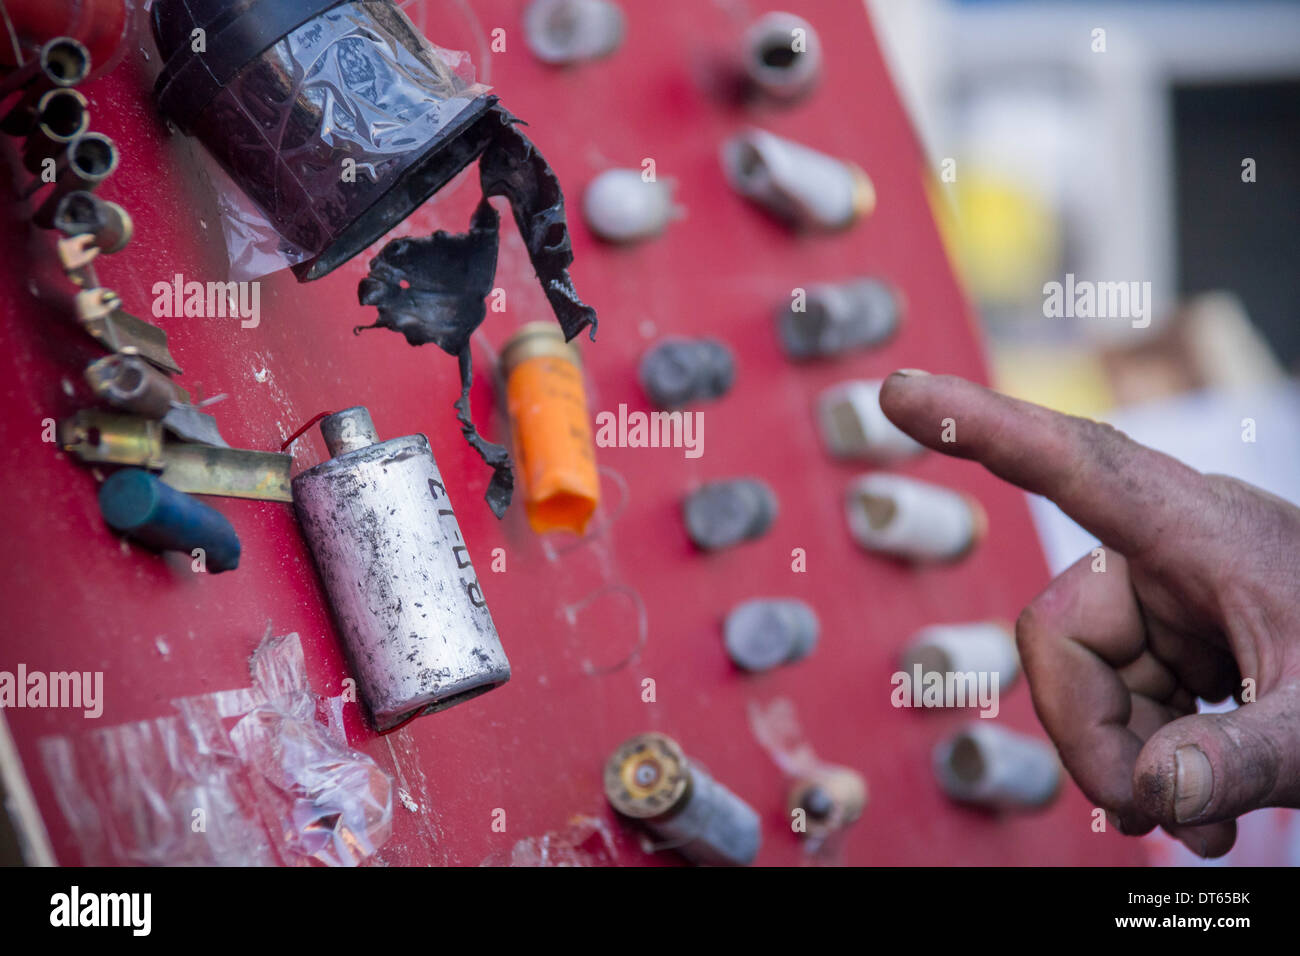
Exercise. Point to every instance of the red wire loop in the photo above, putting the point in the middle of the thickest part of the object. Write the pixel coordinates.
(298, 434)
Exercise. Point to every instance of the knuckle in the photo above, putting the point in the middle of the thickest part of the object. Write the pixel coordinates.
(1101, 437)
(1029, 629)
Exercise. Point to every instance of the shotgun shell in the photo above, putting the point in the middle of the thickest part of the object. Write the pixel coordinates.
(547, 403)
(650, 780)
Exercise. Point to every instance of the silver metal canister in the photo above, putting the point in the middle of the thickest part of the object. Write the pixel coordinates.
(413, 618)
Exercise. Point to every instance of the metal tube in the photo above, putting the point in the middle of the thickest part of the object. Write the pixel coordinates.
(61, 116)
(62, 61)
(81, 213)
(129, 382)
(88, 161)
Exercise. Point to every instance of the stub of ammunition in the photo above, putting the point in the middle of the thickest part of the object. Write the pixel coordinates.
(649, 779)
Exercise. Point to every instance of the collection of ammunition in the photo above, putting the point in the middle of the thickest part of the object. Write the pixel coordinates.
(377, 515)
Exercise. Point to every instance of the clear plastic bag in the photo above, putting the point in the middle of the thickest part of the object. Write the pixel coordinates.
(278, 786)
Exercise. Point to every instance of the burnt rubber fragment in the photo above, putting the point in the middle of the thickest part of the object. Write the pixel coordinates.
(502, 486)
(434, 290)
(512, 167)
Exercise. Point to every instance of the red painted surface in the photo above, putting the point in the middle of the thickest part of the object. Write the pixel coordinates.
(75, 598)
(96, 23)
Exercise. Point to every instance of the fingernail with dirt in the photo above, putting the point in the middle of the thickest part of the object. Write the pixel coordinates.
(1193, 783)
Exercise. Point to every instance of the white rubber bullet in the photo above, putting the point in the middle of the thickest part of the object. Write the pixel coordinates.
(571, 31)
(853, 426)
(912, 519)
(805, 188)
(984, 647)
(620, 206)
(989, 766)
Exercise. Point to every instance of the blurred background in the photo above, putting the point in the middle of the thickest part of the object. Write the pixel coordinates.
(1126, 142)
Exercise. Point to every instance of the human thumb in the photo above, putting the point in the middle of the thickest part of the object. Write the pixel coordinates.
(1210, 767)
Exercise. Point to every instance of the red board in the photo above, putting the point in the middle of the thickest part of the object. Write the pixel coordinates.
(76, 598)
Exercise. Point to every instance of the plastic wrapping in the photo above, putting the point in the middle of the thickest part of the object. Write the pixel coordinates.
(253, 246)
(325, 136)
(280, 785)
(585, 841)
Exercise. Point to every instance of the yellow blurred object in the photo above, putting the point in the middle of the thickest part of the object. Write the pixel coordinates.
(547, 403)
(1003, 237)
(1070, 380)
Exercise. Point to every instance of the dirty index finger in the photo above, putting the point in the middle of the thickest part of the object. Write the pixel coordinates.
(1124, 493)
